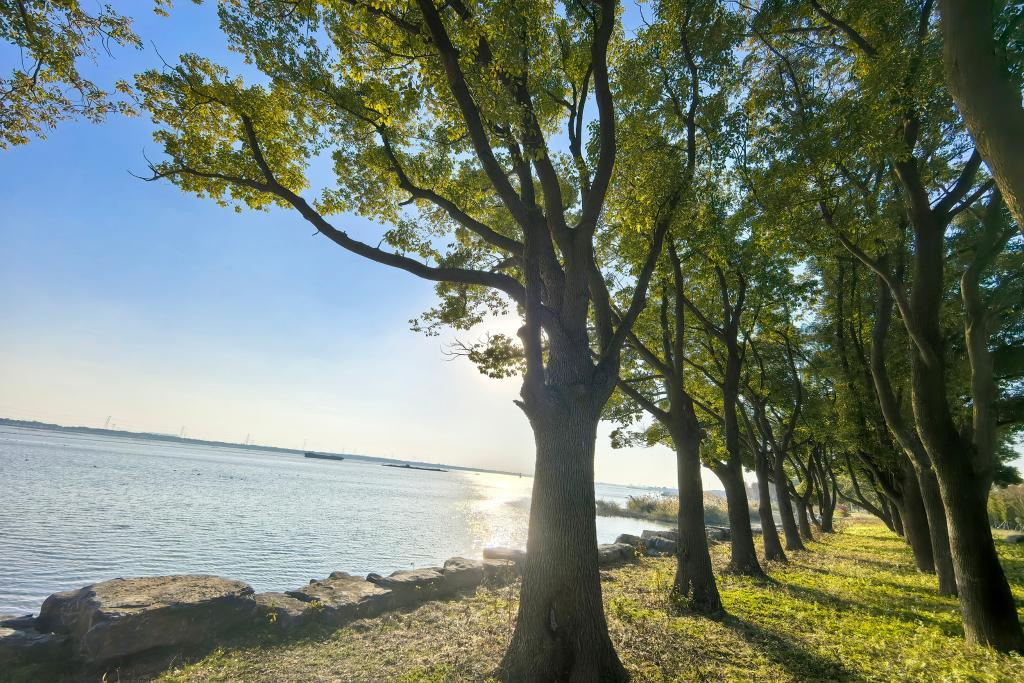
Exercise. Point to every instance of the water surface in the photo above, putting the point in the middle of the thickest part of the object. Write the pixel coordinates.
(79, 508)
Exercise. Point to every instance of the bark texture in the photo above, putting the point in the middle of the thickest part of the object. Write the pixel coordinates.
(985, 94)
(915, 521)
(695, 579)
(789, 527)
(769, 533)
(561, 633)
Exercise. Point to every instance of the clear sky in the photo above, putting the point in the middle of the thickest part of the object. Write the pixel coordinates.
(130, 300)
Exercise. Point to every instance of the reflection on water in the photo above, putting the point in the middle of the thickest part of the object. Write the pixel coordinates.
(82, 508)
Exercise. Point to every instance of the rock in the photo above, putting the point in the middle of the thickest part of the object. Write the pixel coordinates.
(19, 646)
(511, 554)
(282, 610)
(501, 572)
(461, 574)
(661, 545)
(629, 539)
(612, 553)
(412, 586)
(122, 617)
(341, 597)
(659, 533)
(1014, 538)
(717, 533)
(24, 622)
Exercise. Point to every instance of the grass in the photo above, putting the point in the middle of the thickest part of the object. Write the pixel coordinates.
(851, 608)
(666, 509)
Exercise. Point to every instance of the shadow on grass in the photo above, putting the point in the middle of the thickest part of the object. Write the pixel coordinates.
(802, 664)
(925, 616)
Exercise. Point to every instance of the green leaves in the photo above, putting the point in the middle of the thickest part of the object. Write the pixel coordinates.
(53, 39)
(228, 141)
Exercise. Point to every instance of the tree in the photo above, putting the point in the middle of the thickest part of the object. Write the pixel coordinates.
(882, 80)
(979, 37)
(683, 65)
(46, 87)
(438, 119)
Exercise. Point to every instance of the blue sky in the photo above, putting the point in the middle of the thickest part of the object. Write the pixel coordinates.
(131, 300)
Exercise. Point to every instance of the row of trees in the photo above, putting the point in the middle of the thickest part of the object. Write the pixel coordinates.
(762, 234)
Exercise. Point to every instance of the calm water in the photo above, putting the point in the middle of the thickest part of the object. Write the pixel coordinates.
(75, 509)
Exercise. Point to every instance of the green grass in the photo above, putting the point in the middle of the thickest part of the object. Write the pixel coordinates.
(851, 608)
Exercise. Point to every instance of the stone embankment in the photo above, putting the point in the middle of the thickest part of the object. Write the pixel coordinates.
(107, 622)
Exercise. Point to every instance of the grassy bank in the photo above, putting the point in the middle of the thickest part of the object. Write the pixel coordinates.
(852, 608)
(665, 509)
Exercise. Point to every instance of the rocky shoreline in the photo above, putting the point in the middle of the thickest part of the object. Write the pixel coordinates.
(111, 621)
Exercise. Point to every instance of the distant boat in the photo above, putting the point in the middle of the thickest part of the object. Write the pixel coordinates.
(324, 456)
(414, 467)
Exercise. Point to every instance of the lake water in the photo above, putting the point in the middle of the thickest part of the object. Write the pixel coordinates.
(78, 508)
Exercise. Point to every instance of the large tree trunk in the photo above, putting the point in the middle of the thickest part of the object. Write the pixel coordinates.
(963, 469)
(769, 533)
(986, 602)
(897, 518)
(803, 519)
(986, 95)
(789, 527)
(910, 442)
(561, 633)
(915, 521)
(827, 515)
(931, 498)
(695, 580)
(744, 555)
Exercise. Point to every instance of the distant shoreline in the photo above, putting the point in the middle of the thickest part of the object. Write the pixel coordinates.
(170, 438)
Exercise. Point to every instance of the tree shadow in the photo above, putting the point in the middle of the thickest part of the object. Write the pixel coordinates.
(813, 595)
(802, 664)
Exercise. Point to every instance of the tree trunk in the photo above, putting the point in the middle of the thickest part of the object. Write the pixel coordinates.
(915, 521)
(744, 555)
(897, 518)
(769, 533)
(561, 633)
(964, 470)
(695, 580)
(789, 528)
(814, 518)
(931, 497)
(827, 515)
(986, 602)
(828, 500)
(985, 95)
(803, 519)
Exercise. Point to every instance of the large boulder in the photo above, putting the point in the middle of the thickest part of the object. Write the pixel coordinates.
(1014, 538)
(648, 534)
(461, 574)
(341, 597)
(612, 553)
(19, 622)
(282, 610)
(659, 545)
(511, 554)
(412, 586)
(18, 646)
(122, 617)
(501, 572)
(629, 539)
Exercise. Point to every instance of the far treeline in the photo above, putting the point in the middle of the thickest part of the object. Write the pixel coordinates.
(779, 237)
